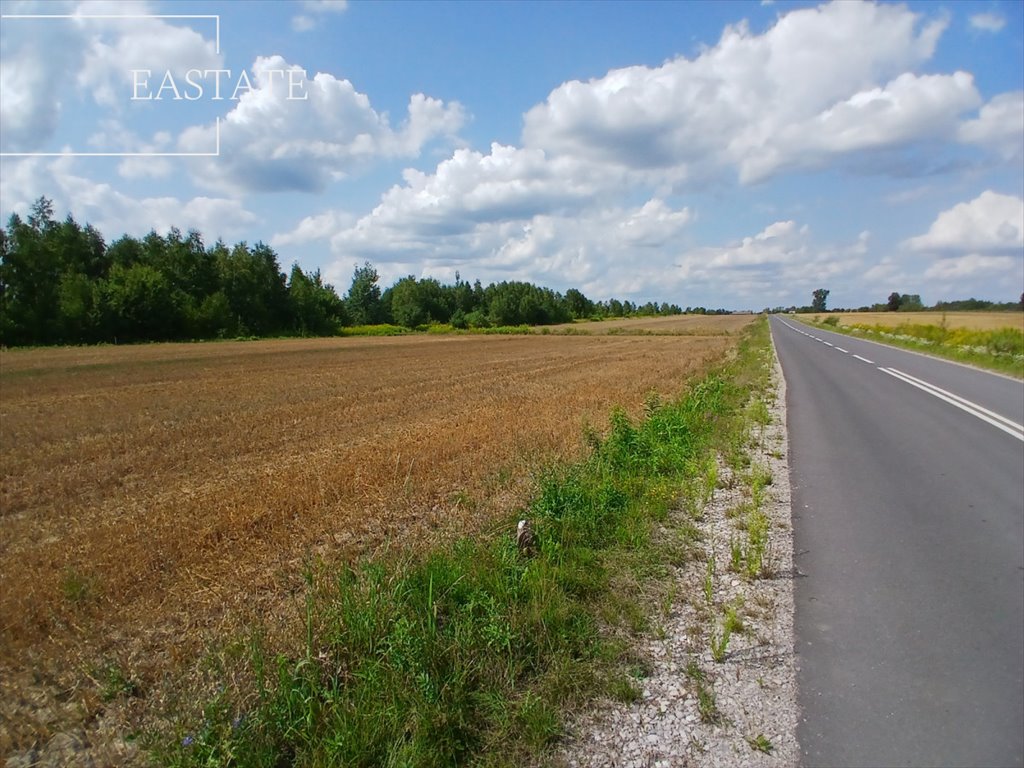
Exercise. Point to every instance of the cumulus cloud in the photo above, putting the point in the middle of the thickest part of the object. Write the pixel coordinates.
(999, 126)
(115, 48)
(312, 228)
(602, 250)
(112, 211)
(782, 261)
(274, 139)
(49, 64)
(465, 191)
(735, 106)
(315, 10)
(991, 223)
(975, 274)
(971, 265)
(987, 22)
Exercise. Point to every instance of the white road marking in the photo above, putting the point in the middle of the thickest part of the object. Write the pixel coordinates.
(865, 360)
(826, 343)
(1011, 428)
(842, 350)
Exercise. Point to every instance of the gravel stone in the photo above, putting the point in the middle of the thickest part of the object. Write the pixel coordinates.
(755, 684)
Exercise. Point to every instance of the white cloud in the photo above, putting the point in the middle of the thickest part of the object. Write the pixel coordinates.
(603, 250)
(971, 265)
(312, 228)
(737, 105)
(974, 274)
(999, 126)
(274, 140)
(991, 223)
(316, 10)
(48, 65)
(112, 212)
(782, 263)
(987, 22)
(470, 188)
(115, 48)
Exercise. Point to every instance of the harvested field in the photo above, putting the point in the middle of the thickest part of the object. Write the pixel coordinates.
(975, 321)
(155, 497)
(679, 325)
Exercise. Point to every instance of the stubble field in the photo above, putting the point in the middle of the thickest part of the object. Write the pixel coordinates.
(155, 497)
(975, 321)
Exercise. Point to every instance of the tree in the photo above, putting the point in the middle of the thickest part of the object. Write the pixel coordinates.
(363, 303)
(818, 304)
(894, 302)
(911, 302)
(579, 305)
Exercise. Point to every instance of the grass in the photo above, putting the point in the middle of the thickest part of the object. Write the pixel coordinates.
(468, 652)
(707, 706)
(992, 340)
(720, 642)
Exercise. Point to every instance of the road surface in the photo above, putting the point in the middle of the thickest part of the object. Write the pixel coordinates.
(908, 522)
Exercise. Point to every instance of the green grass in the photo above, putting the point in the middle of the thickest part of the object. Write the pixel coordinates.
(999, 350)
(468, 654)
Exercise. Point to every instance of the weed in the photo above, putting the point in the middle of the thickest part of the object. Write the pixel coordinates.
(76, 586)
(114, 683)
(668, 597)
(760, 743)
(757, 564)
(709, 579)
(720, 643)
(735, 554)
(707, 707)
(733, 622)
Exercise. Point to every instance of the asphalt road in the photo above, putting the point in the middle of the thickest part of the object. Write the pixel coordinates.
(908, 524)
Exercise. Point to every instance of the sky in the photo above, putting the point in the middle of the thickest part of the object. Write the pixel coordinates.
(723, 154)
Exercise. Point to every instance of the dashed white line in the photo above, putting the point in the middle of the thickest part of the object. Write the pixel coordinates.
(827, 343)
(840, 349)
(865, 360)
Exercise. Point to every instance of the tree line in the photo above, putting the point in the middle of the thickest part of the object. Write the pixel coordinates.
(907, 302)
(61, 283)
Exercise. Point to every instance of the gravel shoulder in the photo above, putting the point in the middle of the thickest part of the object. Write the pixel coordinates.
(740, 710)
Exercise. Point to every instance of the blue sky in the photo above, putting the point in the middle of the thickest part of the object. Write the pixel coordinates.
(719, 154)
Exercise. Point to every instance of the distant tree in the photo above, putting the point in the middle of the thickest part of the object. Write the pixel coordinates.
(911, 302)
(363, 303)
(894, 302)
(316, 309)
(579, 305)
(820, 296)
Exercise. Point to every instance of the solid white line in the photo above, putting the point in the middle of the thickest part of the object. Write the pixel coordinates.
(865, 360)
(986, 411)
(842, 350)
(997, 421)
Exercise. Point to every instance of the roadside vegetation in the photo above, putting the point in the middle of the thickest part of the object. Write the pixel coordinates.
(991, 341)
(468, 652)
